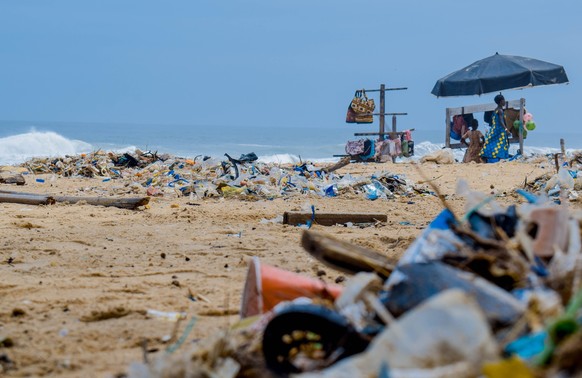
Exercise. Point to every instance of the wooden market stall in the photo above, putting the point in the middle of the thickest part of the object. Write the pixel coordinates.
(451, 112)
(381, 114)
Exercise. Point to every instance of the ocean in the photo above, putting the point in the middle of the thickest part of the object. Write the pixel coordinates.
(20, 141)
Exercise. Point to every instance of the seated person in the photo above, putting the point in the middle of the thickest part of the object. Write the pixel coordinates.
(458, 127)
(476, 140)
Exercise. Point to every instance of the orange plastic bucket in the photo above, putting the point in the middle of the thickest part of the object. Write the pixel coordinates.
(266, 286)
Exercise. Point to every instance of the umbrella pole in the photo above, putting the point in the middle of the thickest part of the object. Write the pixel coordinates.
(448, 129)
(521, 125)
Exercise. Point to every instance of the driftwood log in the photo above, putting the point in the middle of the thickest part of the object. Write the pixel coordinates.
(346, 257)
(342, 163)
(331, 219)
(43, 199)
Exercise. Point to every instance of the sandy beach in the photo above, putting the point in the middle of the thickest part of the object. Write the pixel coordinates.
(77, 280)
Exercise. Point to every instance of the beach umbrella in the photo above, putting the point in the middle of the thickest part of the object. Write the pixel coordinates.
(499, 72)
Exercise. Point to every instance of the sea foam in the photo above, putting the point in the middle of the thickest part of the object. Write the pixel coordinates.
(19, 148)
(16, 149)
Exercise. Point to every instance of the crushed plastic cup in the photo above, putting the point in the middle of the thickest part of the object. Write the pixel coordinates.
(372, 192)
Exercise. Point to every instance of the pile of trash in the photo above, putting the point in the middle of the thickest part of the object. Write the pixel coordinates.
(494, 292)
(565, 184)
(204, 177)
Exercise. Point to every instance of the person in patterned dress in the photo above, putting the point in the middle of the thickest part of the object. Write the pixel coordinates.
(496, 146)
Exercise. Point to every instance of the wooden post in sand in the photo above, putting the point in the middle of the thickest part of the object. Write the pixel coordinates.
(382, 110)
(563, 150)
(521, 124)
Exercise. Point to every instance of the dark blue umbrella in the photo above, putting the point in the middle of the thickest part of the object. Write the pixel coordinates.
(497, 73)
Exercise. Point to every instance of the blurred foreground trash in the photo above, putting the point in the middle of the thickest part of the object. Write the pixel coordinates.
(446, 330)
(344, 256)
(493, 292)
(266, 286)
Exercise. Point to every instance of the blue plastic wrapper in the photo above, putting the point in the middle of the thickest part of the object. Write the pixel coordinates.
(528, 346)
(331, 191)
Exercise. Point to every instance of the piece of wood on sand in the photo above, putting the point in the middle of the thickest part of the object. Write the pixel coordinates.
(331, 219)
(344, 256)
(340, 164)
(12, 178)
(41, 199)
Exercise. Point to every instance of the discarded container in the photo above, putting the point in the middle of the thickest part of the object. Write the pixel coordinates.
(305, 337)
(411, 284)
(550, 226)
(448, 328)
(266, 286)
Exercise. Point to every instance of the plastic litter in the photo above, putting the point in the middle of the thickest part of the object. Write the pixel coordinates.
(171, 316)
(210, 177)
(447, 329)
(411, 284)
(493, 292)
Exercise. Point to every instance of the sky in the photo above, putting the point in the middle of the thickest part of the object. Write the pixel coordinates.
(272, 63)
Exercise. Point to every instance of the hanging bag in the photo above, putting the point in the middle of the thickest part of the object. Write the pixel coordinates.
(364, 109)
(351, 114)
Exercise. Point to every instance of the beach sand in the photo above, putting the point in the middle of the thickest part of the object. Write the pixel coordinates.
(77, 280)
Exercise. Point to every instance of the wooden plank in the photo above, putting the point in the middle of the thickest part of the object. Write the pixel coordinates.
(460, 145)
(385, 133)
(123, 203)
(482, 108)
(331, 219)
(386, 89)
(344, 256)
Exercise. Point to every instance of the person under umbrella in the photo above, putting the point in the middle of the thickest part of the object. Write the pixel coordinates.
(475, 144)
(496, 145)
